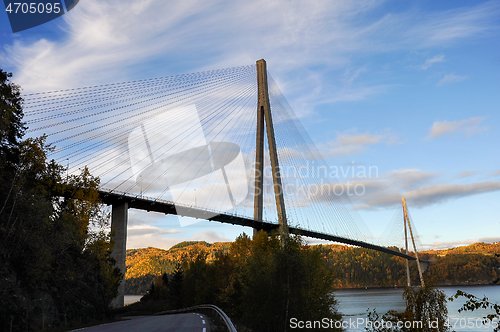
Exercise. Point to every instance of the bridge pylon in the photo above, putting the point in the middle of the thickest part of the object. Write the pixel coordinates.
(119, 220)
(264, 119)
(407, 222)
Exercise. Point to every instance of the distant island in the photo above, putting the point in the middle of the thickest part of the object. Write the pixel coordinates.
(475, 264)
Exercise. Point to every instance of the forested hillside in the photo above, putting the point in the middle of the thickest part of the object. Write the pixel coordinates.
(358, 267)
(144, 265)
(477, 263)
(260, 283)
(353, 267)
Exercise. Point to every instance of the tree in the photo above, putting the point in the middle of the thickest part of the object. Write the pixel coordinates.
(54, 241)
(425, 311)
(261, 282)
(11, 114)
(175, 287)
(283, 279)
(475, 303)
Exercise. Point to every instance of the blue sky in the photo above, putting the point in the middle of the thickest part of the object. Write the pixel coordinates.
(411, 87)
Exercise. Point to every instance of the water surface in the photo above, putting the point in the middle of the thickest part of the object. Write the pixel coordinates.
(129, 299)
(354, 303)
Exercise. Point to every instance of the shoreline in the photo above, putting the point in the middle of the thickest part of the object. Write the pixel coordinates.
(403, 286)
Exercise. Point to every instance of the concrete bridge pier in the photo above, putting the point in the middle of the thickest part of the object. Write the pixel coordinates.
(119, 218)
(424, 265)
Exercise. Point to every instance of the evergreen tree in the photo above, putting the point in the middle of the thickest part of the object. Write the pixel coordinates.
(54, 250)
(175, 287)
(11, 114)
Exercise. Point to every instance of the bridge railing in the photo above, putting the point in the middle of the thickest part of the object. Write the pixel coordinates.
(219, 314)
(183, 205)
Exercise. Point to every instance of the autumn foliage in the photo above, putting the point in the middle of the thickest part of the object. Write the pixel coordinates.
(352, 267)
(55, 264)
(262, 283)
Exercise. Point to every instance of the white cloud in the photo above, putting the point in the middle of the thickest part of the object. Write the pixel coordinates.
(451, 78)
(453, 244)
(210, 236)
(114, 40)
(352, 142)
(143, 236)
(446, 27)
(440, 193)
(351, 76)
(140, 218)
(466, 174)
(418, 187)
(410, 178)
(429, 62)
(102, 38)
(354, 94)
(425, 196)
(468, 127)
(144, 230)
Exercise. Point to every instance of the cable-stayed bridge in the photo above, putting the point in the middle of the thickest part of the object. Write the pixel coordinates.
(220, 145)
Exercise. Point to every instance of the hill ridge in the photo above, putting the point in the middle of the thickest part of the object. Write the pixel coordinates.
(477, 263)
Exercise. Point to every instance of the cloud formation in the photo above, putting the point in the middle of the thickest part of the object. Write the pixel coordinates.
(466, 174)
(468, 127)
(451, 78)
(210, 236)
(440, 193)
(443, 28)
(144, 230)
(352, 142)
(429, 62)
(453, 244)
(143, 236)
(113, 40)
(419, 188)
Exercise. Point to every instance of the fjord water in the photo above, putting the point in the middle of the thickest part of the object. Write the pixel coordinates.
(129, 299)
(354, 303)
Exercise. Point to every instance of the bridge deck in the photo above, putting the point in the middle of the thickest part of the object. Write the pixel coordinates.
(169, 208)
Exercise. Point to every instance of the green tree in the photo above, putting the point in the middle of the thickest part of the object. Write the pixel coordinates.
(11, 114)
(425, 311)
(54, 241)
(475, 303)
(262, 282)
(284, 279)
(175, 291)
